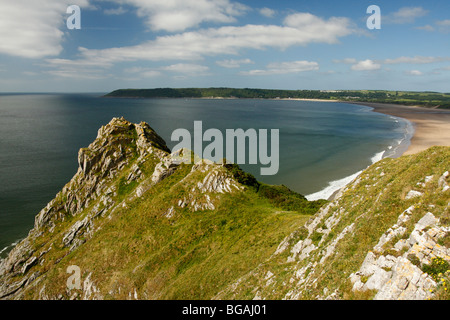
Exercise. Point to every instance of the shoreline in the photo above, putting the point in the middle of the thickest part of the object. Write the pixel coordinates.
(431, 126)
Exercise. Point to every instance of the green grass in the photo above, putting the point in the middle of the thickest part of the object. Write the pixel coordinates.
(438, 266)
(279, 196)
(200, 254)
(193, 255)
(373, 206)
(193, 258)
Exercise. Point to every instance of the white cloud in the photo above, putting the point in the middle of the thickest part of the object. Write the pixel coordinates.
(426, 28)
(134, 70)
(405, 15)
(414, 73)
(301, 29)
(66, 63)
(284, 68)
(416, 60)
(315, 29)
(77, 74)
(150, 73)
(267, 12)
(196, 45)
(30, 73)
(440, 25)
(370, 65)
(328, 72)
(76, 69)
(143, 72)
(444, 25)
(444, 69)
(346, 61)
(115, 12)
(186, 68)
(179, 15)
(230, 63)
(180, 68)
(33, 29)
(366, 65)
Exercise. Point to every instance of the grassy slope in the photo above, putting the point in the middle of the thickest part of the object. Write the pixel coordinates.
(198, 255)
(383, 203)
(373, 205)
(193, 255)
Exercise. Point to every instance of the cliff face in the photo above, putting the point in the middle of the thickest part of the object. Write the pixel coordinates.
(139, 223)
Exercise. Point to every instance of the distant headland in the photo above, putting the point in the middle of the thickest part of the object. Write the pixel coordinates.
(424, 99)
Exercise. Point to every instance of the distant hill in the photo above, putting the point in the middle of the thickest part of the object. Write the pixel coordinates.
(426, 99)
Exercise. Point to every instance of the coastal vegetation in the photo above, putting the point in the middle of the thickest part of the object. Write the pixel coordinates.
(134, 220)
(140, 224)
(425, 99)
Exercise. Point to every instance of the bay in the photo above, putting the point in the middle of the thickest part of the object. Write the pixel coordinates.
(321, 143)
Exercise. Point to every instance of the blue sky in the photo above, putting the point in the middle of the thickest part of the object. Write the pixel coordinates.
(322, 45)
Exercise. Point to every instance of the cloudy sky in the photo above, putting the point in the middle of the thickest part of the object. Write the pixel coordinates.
(292, 44)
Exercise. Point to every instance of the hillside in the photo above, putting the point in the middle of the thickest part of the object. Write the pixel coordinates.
(386, 237)
(425, 99)
(139, 223)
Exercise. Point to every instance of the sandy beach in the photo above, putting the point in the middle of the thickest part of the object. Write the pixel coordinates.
(432, 126)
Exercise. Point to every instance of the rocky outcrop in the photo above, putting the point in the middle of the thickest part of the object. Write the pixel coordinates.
(100, 163)
(116, 144)
(396, 277)
(443, 181)
(216, 181)
(377, 239)
(124, 162)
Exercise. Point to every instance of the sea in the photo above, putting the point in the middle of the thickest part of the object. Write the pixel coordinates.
(322, 145)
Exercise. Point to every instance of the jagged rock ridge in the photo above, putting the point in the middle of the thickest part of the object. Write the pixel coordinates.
(93, 193)
(142, 224)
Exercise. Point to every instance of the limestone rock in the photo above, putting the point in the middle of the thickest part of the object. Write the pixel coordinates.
(428, 220)
(407, 283)
(116, 144)
(397, 278)
(413, 194)
(378, 279)
(218, 181)
(442, 182)
(69, 237)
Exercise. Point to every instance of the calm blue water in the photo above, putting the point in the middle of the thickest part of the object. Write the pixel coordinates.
(40, 136)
